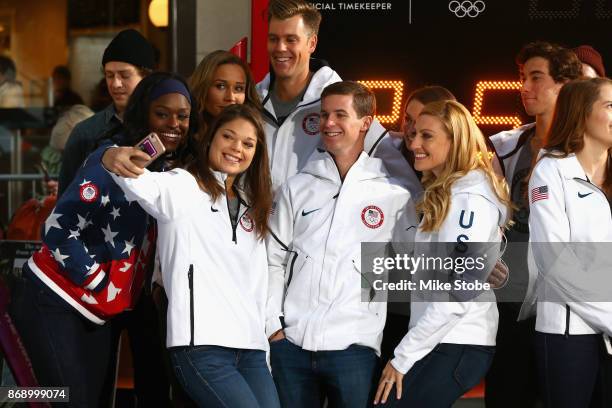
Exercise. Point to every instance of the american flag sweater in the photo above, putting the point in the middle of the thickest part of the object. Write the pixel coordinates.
(96, 245)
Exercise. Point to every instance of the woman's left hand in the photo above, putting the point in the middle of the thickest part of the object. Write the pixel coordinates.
(389, 377)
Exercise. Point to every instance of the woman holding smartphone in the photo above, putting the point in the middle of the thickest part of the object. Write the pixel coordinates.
(450, 344)
(212, 220)
(96, 247)
(570, 201)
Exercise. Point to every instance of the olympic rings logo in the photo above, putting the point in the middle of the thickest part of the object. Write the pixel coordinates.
(466, 8)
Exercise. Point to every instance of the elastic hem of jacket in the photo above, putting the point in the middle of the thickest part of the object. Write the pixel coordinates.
(62, 294)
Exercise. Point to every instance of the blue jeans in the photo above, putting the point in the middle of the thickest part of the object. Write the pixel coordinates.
(443, 376)
(215, 376)
(567, 368)
(304, 378)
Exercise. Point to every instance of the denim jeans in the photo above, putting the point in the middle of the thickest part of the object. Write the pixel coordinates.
(568, 368)
(304, 378)
(65, 348)
(216, 376)
(443, 376)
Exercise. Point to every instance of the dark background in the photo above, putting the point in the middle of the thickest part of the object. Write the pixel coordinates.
(432, 46)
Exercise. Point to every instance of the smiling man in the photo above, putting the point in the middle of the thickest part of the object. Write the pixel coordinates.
(291, 95)
(128, 58)
(324, 337)
(543, 68)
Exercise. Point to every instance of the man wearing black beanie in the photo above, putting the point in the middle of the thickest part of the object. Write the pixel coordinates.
(127, 59)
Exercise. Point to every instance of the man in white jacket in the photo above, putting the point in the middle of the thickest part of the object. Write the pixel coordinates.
(291, 95)
(544, 68)
(325, 330)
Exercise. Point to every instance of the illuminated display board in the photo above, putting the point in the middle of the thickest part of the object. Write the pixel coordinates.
(396, 46)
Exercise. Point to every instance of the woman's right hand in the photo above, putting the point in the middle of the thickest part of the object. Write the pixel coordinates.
(125, 161)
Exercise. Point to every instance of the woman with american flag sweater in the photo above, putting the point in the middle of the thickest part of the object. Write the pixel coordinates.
(96, 250)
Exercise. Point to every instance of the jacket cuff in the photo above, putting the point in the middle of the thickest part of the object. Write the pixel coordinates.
(402, 364)
(97, 281)
(273, 325)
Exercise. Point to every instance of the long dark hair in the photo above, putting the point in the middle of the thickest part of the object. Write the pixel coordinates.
(202, 79)
(136, 116)
(574, 105)
(256, 179)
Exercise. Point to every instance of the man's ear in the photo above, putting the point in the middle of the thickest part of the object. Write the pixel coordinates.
(312, 43)
(367, 122)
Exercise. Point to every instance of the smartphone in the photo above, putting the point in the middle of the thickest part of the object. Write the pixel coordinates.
(152, 146)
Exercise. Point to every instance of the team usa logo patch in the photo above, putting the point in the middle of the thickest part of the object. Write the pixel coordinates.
(88, 192)
(372, 216)
(247, 223)
(310, 124)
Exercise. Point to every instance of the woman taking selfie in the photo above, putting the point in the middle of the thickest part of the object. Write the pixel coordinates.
(212, 218)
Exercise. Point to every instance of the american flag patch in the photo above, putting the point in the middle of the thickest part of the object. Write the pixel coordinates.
(539, 193)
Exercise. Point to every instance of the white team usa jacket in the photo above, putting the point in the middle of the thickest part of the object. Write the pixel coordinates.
(508, 145)
(215, 276)
(475, 215)
(566, 207)
(292, 142)
(314, 254)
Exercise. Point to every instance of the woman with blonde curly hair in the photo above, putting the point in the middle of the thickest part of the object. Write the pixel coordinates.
(451, 341)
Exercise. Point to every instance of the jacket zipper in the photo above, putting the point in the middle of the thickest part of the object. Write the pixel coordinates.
(567, 320)
(372, 291)
(191, 319)
(229, 213)
(291, 269)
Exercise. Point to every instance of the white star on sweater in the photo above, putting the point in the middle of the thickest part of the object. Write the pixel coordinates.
(115, 213)
(59, 257)
(109, 235)
(105, 200)
(89, 299)
(129, 245)
(126, 267)
(112, 292)
(52, 221)
(83, 222)
(74, 234)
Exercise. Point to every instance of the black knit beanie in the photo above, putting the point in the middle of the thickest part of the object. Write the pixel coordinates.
(131, 47)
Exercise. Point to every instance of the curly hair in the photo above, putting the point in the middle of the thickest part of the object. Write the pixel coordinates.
(468, 152)
(563, 64)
